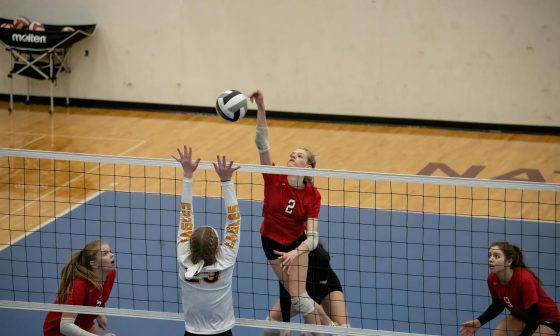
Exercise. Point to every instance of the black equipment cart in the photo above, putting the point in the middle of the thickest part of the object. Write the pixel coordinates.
(41, 54)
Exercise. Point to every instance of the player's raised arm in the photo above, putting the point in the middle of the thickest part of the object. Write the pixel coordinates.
(232, 232)
(186, 218)
(261, 134)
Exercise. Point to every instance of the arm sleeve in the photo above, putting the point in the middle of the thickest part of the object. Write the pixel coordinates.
(68, 328)
(491, 312)
(261, 139)
(312, 239)
(186, 222)
(532, 321)
(285, 303)
(232, 232)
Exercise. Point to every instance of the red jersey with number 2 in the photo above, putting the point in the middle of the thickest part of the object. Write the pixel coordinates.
(286, 209)
(521, 292)
(82, 293)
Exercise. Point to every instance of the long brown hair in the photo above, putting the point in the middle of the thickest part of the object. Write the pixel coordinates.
(79, 265)
(513, 253)
(204, 245)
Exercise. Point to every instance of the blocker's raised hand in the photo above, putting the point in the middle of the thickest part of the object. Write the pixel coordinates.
(223, 169)
(185, 159)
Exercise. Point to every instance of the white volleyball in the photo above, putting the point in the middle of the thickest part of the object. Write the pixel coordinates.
(231, 105)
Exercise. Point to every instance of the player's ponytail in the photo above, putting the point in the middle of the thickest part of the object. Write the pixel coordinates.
(79, 265)
(204, 245)
(311, 161)
(517, 257)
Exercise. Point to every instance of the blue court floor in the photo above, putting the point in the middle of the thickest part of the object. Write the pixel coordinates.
(407, 272)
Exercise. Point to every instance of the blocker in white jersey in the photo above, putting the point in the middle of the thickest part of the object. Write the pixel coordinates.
(205, 265)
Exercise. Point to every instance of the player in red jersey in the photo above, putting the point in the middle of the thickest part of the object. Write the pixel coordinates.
(513, 286)
(289, 230)
(86, 280)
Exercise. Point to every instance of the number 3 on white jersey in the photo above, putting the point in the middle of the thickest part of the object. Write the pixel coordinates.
(291, 206)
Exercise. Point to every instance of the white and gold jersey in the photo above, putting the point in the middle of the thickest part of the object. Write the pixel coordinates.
(207, 296)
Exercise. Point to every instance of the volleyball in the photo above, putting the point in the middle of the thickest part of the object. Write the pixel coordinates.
(38, 26)
(21, 23)
(68, 29)
(231, 105)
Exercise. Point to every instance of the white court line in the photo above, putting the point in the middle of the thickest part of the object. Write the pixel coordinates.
(48, 221)
(32, 202)
(35, 140)
(31, 141)
(140, 142)
(62, 213)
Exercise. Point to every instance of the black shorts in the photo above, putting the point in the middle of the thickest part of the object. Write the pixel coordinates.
(225, 333)
(270, 245)
(552, 325)
(318, 291)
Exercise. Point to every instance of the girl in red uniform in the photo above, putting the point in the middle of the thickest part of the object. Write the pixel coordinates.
(289, 230)
(86, 280)
(513, 286)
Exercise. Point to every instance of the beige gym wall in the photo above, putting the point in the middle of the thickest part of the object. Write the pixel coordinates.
(479, 61)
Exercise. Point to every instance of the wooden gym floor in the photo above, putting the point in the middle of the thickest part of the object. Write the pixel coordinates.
(340, 146)
(374, 148)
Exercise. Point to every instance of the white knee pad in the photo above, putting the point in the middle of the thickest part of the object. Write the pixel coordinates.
(304, 303)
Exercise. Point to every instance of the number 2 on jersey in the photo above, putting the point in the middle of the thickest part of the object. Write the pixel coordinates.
(291, 206)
